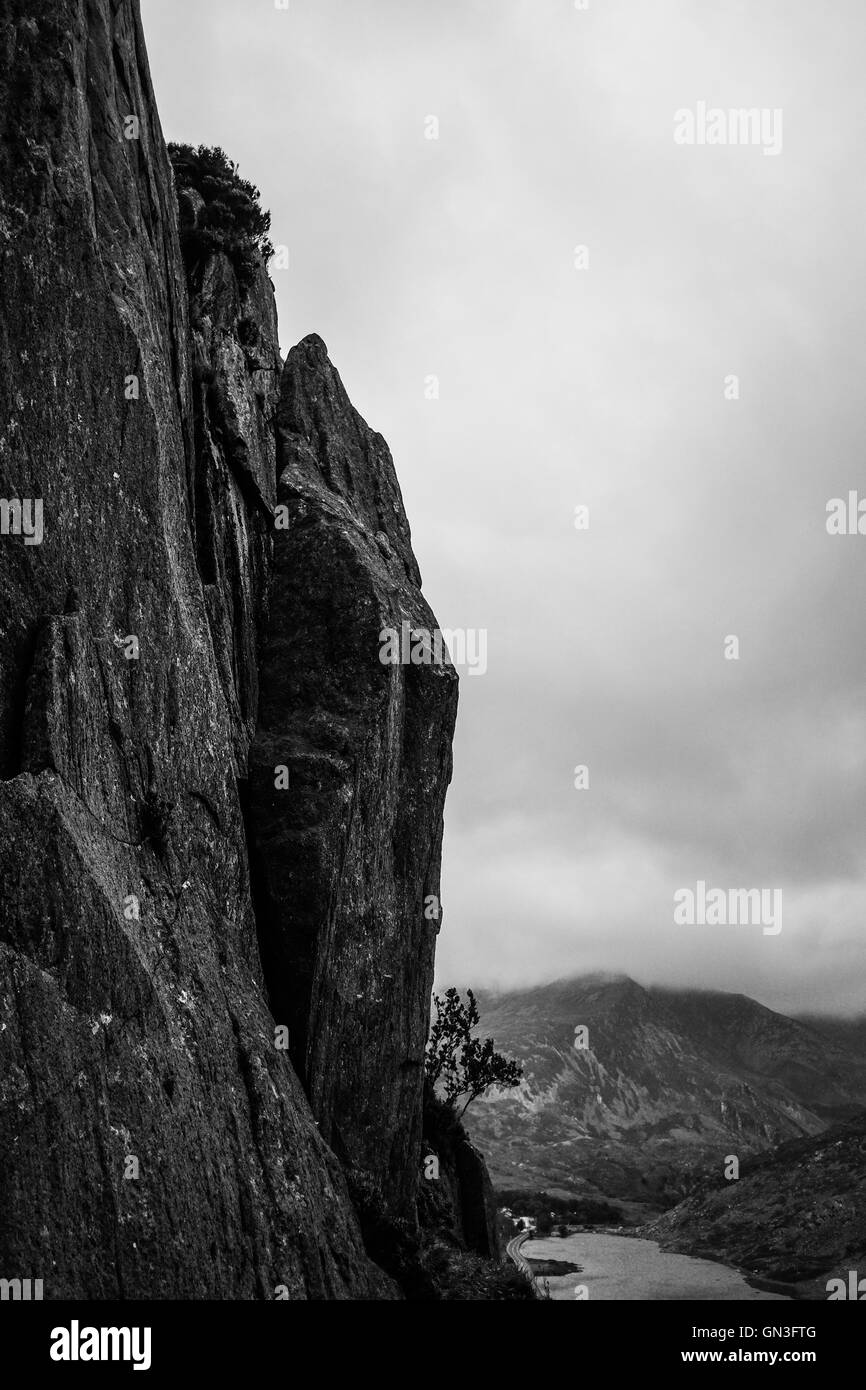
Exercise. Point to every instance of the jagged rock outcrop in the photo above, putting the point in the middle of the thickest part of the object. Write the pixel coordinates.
(153, 1140)
(347, 858)
(456, 1198)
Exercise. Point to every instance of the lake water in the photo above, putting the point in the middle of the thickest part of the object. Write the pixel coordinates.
(622, 1267)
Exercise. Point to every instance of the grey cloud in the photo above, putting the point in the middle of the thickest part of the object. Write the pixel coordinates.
(603, 387)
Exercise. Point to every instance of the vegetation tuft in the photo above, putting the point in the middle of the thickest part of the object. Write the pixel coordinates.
(232, 219)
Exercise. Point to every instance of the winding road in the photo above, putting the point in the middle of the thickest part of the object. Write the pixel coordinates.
(512, 1250)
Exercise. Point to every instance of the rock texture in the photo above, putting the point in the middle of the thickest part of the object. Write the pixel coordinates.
(154, 1142)
(236, 369)
(457, 1202)
(347, 859)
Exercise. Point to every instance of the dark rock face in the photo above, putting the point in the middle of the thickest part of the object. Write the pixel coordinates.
(476, 1202)
(236, 370)
(347, 859)
(153, 1140)
(456, 1199)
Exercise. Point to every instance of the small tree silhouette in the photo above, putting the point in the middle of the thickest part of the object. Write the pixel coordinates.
(463, 1064)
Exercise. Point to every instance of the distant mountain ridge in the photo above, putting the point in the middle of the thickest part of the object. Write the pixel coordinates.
(669, 1083)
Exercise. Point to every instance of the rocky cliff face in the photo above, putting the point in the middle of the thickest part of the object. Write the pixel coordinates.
(155, 1141)
(236, 371)
(456, 1200)
(347, 859)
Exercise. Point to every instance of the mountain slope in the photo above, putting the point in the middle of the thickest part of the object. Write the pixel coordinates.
(796, 1214)
(670, 1083)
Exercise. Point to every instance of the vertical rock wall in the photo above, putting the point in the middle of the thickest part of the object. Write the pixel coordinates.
(164, 648)
(153, 1141)
(347, 860)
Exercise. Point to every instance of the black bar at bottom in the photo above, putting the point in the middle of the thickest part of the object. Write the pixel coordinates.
(171, 1341)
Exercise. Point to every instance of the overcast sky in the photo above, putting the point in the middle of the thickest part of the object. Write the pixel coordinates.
(605, 387)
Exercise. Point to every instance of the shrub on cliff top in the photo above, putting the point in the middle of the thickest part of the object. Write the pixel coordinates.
(232, 219)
